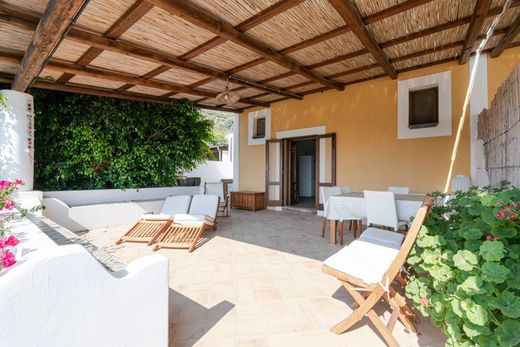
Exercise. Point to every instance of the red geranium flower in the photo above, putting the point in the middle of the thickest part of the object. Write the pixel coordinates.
(8, 259)
(11, 241)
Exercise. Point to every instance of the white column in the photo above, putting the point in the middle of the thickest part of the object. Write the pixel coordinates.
(17, 138)
(235, 149)
(478, 102)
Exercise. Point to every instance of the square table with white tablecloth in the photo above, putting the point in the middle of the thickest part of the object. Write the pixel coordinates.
(351, 206)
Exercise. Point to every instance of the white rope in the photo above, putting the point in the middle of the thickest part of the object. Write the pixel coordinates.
(386, 287)
(483, 43)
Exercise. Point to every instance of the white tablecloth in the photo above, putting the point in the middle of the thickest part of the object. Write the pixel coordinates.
(352, 206)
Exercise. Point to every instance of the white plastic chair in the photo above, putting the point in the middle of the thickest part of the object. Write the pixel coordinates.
(326, 192)
(399, 190)
(381, 209)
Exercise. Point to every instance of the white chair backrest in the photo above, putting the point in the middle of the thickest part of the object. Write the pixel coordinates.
(345, 189)
(215, 188)
(205, 205)
(176, 204)
(399, 190)
(381, 209)
(326, 192)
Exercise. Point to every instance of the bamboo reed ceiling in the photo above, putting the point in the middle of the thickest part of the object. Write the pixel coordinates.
(270, 50)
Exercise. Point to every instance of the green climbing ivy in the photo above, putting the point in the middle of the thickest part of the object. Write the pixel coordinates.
(466, 268)
(88, 142)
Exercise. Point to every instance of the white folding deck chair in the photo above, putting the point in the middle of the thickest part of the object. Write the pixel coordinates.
(150, 226)
(186, 229)
(399, 190)
(367, 268)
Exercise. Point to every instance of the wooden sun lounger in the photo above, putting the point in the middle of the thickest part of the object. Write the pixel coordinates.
(367, 295)
(145, 231)
(150, 227)
(186, 233)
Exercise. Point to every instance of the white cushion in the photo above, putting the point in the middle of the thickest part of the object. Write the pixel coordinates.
(176, 204)
(156, 216)
(205, 205)
(188, 219)
(367, 261)
(379, 235)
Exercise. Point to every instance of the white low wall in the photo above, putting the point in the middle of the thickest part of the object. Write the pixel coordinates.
(212, 171)
(61, 296)
(100, 196)
(92, 209)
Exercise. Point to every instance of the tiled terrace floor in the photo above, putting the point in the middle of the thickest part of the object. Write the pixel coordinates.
(257, 281)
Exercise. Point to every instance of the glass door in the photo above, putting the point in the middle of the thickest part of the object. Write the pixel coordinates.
(325, 164)
(274, 158)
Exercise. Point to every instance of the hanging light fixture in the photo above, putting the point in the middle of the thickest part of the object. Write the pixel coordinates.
(227, 96)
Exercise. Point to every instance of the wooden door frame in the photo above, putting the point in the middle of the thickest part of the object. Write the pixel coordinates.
(281, 177)
(319, 206)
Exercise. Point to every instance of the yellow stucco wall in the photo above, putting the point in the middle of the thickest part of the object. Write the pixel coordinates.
(499, 68)
(364, 118)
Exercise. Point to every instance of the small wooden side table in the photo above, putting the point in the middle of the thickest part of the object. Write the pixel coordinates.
(246, 200)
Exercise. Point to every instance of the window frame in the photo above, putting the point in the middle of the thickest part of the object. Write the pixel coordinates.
(411, 100)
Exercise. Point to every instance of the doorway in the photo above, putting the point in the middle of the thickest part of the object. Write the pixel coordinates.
(302, 168)
(296, 169)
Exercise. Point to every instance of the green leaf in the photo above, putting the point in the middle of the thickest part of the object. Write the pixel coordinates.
(492, 250)
(508, 333)
(472, 234)
(494, 272)
(465, 260)
(472, 285)
(489, 217)
(456, 306)
(476, 313)
(503, 232)
(507, 303)
(487, 341)
(514, 277)
(473, 330)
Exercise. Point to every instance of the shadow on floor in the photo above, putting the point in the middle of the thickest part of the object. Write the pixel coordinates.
(189, 321)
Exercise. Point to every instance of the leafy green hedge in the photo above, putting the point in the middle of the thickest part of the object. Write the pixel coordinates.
(87, 142)
(466, 268)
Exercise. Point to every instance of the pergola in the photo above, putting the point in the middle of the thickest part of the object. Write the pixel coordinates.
(270, 50)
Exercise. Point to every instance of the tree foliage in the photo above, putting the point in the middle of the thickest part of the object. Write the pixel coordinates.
(466, 268)
(87, 142)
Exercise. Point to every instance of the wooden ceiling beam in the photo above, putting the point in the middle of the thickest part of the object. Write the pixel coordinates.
(22, 18)
(122, 77)
(404, 6)
(129, 18)
(507, 39)
(257, 19)
(105, 92)
(480, 12)
(52, 27)
(207, 21)
(349, 12)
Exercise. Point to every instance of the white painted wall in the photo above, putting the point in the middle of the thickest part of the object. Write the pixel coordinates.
(212, 171)
(59, 296)
(16, 128)
(100, 196)
(92, 209)
(478, 101)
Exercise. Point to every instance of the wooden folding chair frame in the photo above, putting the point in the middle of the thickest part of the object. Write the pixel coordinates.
(145, 230)
(373, 293)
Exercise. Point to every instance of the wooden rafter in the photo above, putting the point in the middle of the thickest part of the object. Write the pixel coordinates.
(376, 17)
(219, 27)
(129, 18)
(15, 16)
(53, 25)
(249, 23)
(507, 39)
(348, 11)
(122, 77)
(482, 8)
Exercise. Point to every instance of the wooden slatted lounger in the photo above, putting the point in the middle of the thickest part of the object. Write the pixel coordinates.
(151, 226)
(186, 229)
